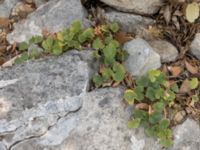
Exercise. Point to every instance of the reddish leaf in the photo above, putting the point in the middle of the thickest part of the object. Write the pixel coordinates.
(122, 37)
(190, 68)
(185, 87)
(175, 70)
(4, 22)
(143, 106)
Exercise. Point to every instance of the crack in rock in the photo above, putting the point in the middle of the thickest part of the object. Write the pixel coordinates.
(37, 122)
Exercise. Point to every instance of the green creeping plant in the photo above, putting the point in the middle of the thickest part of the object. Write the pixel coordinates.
(153, 90)
(72, 37)
(108, 51)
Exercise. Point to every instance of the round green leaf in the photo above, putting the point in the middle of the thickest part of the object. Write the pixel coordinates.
(23, 46)
(97, 44)
(118, 72)
(193, 83)
(129, 96)
(135, 123)
(114, 27)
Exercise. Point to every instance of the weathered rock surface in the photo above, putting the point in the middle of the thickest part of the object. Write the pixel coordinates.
(129, 22)
(166, 50)
(195, 46)
(52, 16)
(187, 136)
(38, 96)
(45, 106)
(136, 6)
(142, 57)
(31, 83)
(37, 3)
(6, 7)
(100, 123)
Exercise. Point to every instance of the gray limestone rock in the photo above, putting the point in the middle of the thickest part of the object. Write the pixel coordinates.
(35, 117)
(33, 82)
(101, 123)
(136, 6)
(187, 136)
(6, 7)
(195, 46)
(52, 16)
(142, 57)
(37, 3)
(129, 22)
(166, 50)
(37, 98)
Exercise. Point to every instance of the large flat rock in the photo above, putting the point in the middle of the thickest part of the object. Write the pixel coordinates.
(25, 86)
(45, 106)
(38, 95)
(52, 16)
(90, 121)
(101, 124)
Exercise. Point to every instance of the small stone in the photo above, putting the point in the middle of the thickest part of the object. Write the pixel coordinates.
(136, 6)
(195, 46)
(166, 50)
(129, 22)
(142, 57)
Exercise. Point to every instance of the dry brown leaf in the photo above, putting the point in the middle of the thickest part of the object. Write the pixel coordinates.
(4, 22)
(10, 62)
(115, 84)
(2, 48)
(122, 37)
(190, 68)
(179, 116)
(142, 106)
(175, 70)
(185, 86)
(46, 32)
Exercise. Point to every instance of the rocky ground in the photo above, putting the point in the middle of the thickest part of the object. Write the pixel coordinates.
(46, 104)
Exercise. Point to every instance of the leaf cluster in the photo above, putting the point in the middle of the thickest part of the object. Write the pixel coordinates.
(56, 44)
(154, 90)
(111, 56)
(23, 48)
